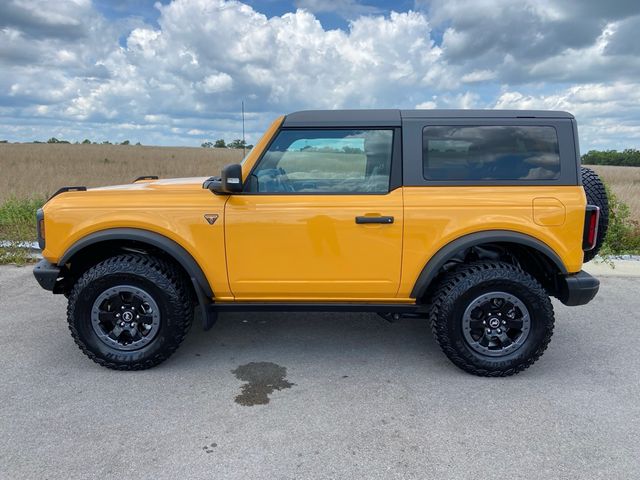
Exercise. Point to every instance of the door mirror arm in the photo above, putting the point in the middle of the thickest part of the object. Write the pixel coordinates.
(229, 181)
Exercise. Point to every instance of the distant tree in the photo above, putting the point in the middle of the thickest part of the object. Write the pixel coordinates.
(53, 140)
(86, 141)
(106, 142)
(629, 157)
(4, 141)
(220, 143)
(138, 144)
(126, 142)
(207, 144)
(237, 143)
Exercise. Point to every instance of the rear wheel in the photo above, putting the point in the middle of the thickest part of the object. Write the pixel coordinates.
(130, 312)
(491, 318)
(596, 195)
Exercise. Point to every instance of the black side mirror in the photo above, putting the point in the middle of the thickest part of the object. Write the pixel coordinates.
(230, 180)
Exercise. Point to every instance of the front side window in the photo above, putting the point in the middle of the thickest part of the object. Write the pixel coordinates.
(490, 153)
(325, 161)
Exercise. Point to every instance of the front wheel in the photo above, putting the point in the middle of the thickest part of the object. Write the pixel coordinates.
(491, 318)
(130, 312)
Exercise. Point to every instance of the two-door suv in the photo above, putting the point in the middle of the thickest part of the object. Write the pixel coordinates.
(469, 218)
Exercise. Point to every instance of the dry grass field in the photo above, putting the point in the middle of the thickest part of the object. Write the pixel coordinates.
(29, 173)
(38, 170)
(625, 183)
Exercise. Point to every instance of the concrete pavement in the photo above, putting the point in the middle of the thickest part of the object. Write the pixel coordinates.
(349, 396)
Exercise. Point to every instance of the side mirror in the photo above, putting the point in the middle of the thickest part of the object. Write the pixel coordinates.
(230, 180)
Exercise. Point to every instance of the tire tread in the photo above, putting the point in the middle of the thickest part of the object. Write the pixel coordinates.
(596, 195)
(166, 278)
(468, 276)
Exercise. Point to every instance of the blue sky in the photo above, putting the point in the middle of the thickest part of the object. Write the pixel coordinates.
(175, 72)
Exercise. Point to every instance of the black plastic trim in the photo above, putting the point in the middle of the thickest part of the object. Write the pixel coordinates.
(412, 150)
(314, 307)
(437, 261)
(578, 289)
(183, 257)
(146, 177)
(178, 253)
(393, 117)
(343, 118)
(479, 113)
(576, 143)
(364, 220)
(80, 188)
(46, 274)
(590, 211)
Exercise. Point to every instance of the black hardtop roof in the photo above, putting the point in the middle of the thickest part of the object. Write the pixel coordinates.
(393, 117)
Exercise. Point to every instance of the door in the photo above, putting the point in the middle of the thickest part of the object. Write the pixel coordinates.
(318, 220)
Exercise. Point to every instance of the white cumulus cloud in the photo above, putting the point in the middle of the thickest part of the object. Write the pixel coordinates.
(69, 71)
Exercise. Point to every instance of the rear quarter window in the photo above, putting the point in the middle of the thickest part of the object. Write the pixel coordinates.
(490, 153)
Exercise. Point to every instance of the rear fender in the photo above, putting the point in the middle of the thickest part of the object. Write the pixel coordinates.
(446, 253)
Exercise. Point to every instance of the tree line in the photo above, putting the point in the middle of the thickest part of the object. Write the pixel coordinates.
(220, 143)
(629, 157)
(86, 141)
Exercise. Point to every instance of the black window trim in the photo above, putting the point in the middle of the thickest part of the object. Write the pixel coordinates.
(395, 175)
(413, 151)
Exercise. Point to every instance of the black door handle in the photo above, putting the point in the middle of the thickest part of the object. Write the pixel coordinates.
(386, 220)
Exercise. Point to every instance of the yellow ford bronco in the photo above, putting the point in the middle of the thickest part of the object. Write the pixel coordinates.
(469, 218)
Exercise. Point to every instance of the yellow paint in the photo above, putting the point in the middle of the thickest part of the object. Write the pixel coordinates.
(308, 247)
(435, 216)
(173, 208)
(549, 212)
(256, 152)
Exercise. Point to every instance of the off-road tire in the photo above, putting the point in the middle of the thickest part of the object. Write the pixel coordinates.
(596, 195)
(458, 289)
(161, 280)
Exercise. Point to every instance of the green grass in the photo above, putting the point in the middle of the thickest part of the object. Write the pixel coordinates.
(18, 223)
(623, 235)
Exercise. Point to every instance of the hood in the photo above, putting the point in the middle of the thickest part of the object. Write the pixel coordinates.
(165, 185)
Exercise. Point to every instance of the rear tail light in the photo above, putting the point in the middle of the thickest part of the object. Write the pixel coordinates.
(40, 228)
(591, 220)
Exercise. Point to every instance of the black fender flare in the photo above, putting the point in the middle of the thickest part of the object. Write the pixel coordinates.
(201, 285)
(437, 261)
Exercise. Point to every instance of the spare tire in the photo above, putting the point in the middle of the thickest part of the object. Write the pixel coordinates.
(596, 195)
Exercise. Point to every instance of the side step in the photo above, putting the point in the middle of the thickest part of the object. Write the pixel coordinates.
(315, 307)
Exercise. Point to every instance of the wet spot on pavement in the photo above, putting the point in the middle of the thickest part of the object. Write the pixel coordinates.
(209, 448)
(262, 379)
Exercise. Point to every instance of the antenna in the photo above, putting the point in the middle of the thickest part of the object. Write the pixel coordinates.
(244, 144)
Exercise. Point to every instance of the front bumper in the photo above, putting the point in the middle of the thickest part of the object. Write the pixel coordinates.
(578, 288)
(47, 274)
